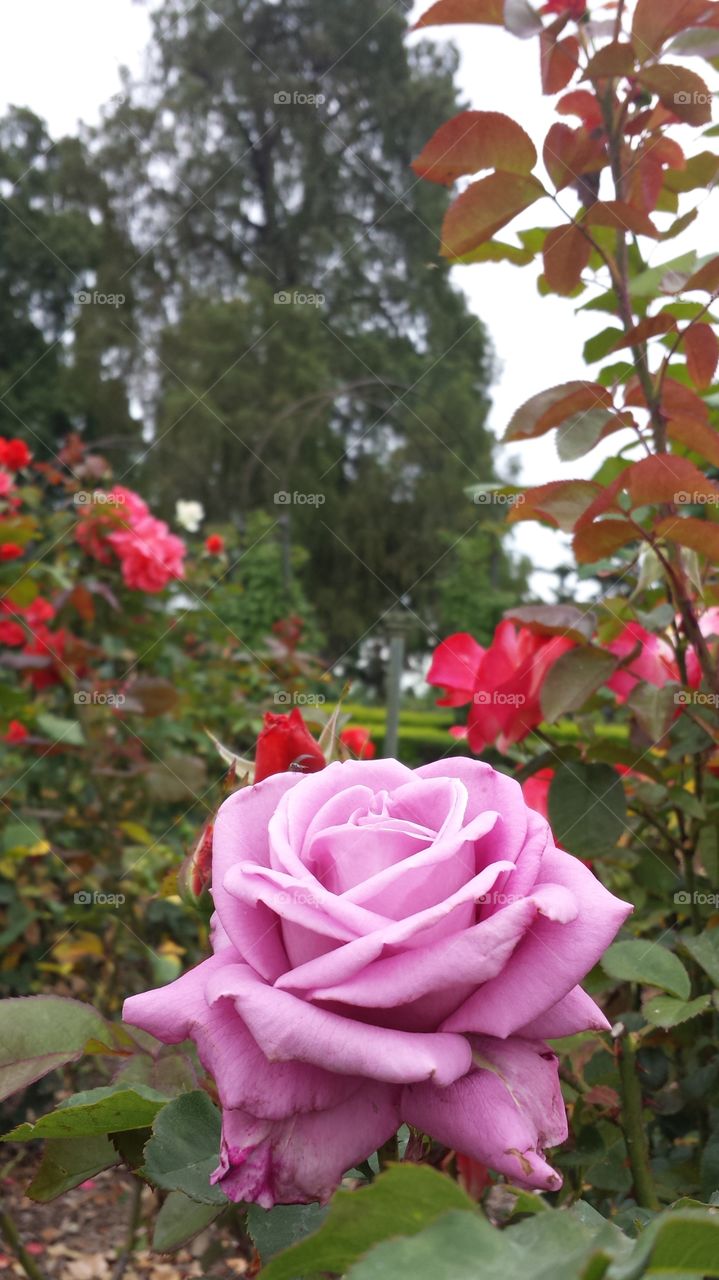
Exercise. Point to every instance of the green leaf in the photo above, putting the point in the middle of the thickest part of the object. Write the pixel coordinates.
(40, 1033)
(666, 1012)
(649, 963)
(654, 708)
(681, 1243)
(276, 1229)
(450, 1249)
(184, 1148)
(403, 1199)
(587, 808)
(705, 950)
(58, 729)
(179, 1220)
(573, 678)
(66, 1162)
(104, 1110)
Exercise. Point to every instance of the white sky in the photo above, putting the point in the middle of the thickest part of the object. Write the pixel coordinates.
(63, 60)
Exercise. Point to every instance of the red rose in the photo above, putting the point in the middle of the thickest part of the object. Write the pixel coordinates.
(359, 742)
(11, 633)
(16, 733)
(575, 8)
(215, 544)
(502, 682)
(10, 551)
(14, 454)
(286, 742)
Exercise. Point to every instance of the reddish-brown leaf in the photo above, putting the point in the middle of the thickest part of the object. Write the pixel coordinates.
(583, 104)
(552, 407)
(487, 12)
(679, 401)
(666, 477)
(554, 620)
(616, 59)
(702, 350)
(570, 153)
(697, 436)
(561, 503)
(566, 253)
(559, 60)
(690, 531)
(656, 20)
(484, 207)
(621, 216)
(595, 541)
(681, 91)
(647, 328)
(475, 140)
(706, 278)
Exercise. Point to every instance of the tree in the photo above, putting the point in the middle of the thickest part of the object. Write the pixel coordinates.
(310, 343)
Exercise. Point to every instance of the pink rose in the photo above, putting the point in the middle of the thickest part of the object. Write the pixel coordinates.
(389, 945)
(149, 554)
(503, 682)
(653, 661)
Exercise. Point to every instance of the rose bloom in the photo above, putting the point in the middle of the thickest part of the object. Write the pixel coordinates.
(653, 662)
(16, 733)
(285, 743)
(149, 554)
(14, 454)
(390, 945)
(502, 682)
(359, 741)
(215, 544)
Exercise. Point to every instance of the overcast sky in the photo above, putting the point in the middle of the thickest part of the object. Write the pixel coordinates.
(63, 60)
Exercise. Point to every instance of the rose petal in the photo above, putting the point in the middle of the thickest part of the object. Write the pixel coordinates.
(454, 667)
(301, 1160)
(245, 1078)
(455, 913)
(576, 1012)
(241, 833)
(288, 1029)
(487, 789)
(552, 957)
(470, 957)
(503, 1113)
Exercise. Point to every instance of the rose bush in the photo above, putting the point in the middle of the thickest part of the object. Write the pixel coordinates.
(389, 946)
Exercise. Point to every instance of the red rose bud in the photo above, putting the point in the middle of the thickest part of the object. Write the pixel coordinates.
(286, 743)
(215, 544)
(16, 733)
(195, 875)
(359, 742)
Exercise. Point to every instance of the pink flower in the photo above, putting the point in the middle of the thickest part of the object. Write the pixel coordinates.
(149, 554)
(503, 682)
(709, 627)
(653, 662)
(390, 946)
(5, 483)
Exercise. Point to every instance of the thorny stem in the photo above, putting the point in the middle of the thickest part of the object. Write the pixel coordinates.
(132, 1230)
(9, 1232)
(633, 1125)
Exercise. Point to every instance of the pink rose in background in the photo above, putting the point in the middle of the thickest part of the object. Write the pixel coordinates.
(389, 946)
(149, 554)
(503, 682)
(709, 627)
(653, 662)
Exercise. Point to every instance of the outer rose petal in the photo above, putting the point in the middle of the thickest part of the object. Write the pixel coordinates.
(303, 1159)
(503, 1113)
(550, 960)
(289, 1030)
(245, 1078)
(455, 663)
(576, 1012)
(241, 835)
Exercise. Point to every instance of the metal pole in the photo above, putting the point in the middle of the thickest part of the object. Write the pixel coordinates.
(397, 626)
